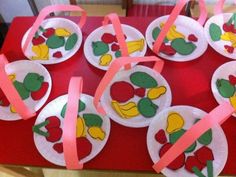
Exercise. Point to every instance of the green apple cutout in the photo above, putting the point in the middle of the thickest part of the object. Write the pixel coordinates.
(99, 48)
(33, 81)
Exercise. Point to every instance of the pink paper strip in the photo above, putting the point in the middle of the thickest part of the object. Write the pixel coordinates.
(203, 12)
(45, 12)
(219, 7)
(216, 117)
(11, 93)
(70, 121)
(113, 17)
(116, 65)
(174, 14)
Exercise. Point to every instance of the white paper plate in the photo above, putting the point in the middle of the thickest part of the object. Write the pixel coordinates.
(131, 33)
(218, 145)
(218, 46)
(56, 23)
(21, 69)
(54, 109)
(222, 72)
(186, 26)
(139, 121)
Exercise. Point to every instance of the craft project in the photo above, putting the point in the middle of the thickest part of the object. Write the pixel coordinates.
(144, 94)
(33, 83)
(92, 130)
(53, 40)
(222, 34)
(176, 37)
(203, 158)
(183, 42)
(223, 83)
(220, 31)
(101, 46)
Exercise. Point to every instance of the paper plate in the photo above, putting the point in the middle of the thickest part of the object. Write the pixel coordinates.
(131, 104)
(61, 48)
(54, 108)
(223, 83)
(34, 98)
(184, 27)
(100, 54)
(218, 145)
(217, 42)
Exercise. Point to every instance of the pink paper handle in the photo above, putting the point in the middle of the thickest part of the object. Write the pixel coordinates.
(70, 121)
(173, 16)
(45, 12)
(216, 117)
(219, 7)
(116, 65)
(113, 17)
(11, 93)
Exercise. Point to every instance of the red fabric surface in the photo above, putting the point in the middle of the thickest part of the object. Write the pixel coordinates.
(126, 147)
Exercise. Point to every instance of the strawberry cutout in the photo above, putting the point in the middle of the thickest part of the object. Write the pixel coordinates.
(140, 92)
(167, 49)
(57, 54)
(232, 79)
(49, 32)
(229, 49)
(58, 147)
(38, 40)
(115, 47)
(37, 95)
(108, 38)
(54, 134)
(192, 38)
(204, 154)
(161, 137)
(178, 162)
(53, 121)
(191, 162)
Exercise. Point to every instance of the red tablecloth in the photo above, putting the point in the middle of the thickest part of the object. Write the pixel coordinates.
(126, 147)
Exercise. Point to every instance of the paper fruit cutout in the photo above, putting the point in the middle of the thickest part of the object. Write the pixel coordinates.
(223, 83)
(56, 40)
(136, 95)
(183, 42)
(33, 83)
(220, 31)
(101, 46)
(92, 130)
(203, 158)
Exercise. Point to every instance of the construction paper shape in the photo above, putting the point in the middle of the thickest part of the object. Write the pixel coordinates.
(18, 71)
(60, 34)
(221, 35)
(92, 132)
(218, 145)
(181, 29)
(102, 42)
(127, 113)
(221, 86)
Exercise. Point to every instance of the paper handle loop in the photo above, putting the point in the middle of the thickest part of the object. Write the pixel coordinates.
(116, 65)
(11, 93)
(70, 121)
(45, 12)
(216, 117)
(113, 17)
